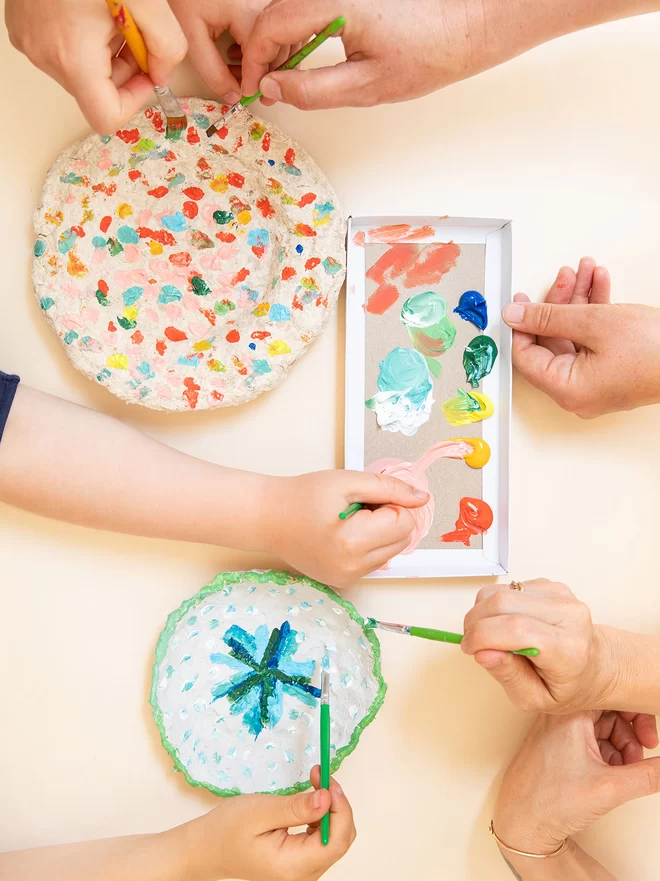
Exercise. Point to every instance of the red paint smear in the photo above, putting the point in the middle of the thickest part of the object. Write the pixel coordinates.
(191, 393)
(235, 179)
(226, 237)
(158, 192)
(265, 143)
(290, 156)
(112, 327)
(182, 258)
(223, 132)
(312, 262)
(241, 275)
(288, 272)
(259, 334)
(160, 347)
(296, 303)
(239, 144)
(190, 210)
(474, 518)
(163, 236)
(192, 137)
(209, 314)
(303, 229)
(433, 262)
(265, 207)
(394, 262)
(109, 190)
(422, 232)
(137, 338)
(194, 193)
(382, 298)
(175, 335)
(216, 395)
(103, 286)
(258, 251)
(233, 336)
(129, 136)
(157, 123)
(79, 231)
(134, 174)
(203, 165)
(358, 239)
(169, 156)
(307, 199)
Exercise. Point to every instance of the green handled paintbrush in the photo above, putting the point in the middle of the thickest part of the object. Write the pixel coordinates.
(429, 633)
(325, 749)
(294, 61)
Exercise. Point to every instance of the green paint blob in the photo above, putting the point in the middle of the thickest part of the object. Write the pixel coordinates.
(199, 286)
(478, 359)
(127, 323)
(102, 299)
(222, 217)
(425, 318)
(39, 248)
(221, 307)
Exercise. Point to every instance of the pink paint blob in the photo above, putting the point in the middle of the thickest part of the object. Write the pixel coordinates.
(414, 475)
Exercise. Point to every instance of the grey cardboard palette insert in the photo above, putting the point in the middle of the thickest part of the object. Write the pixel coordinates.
(484, 265)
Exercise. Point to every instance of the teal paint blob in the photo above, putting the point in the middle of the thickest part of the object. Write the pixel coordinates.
(39, 248)
(132, 295)
(66, 241)
(478, 359)
(260, 366)
(70, 336)
(174, 222)
(46, 303)
(222, 217)
(176, 181)
(279, 312)
(404, 370)
(127, 235)
(169, 294)
(258, 238)
(99, 242)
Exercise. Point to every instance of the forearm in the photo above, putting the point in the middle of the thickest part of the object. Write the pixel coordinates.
(70, 463)
(135, 857)
(572, 865)
(629, 672)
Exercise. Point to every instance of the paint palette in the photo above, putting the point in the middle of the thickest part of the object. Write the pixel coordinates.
(236, 683)
(428, 381)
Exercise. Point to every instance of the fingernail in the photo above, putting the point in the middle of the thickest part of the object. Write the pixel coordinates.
(231, 98)
(489, 665)
(513, 313)
(270, 88)
(338, 790)
(421, 494)
(316, 800)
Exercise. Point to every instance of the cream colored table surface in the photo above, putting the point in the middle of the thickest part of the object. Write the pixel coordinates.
(564, 141)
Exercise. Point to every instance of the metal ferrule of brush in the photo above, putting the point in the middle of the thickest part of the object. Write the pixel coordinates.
(224, 119)
(325, 687)
(393, 628)
(168, 102)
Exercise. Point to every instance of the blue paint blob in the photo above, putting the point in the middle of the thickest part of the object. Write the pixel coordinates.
(258, 238)
(131, 295)
(299, 249)
(127, 235)
(278, 312)
(174, 222)
(170, 294)
(472, 307)
(252, 346)
(39, 248)
(271, 162)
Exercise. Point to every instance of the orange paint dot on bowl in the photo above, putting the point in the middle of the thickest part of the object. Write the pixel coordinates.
(233, 336)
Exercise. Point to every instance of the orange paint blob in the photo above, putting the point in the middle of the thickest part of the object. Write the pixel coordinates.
(175, 335)
(433, 262)
(382, 298)
(191, 393)
(474, 518)
(394, 262)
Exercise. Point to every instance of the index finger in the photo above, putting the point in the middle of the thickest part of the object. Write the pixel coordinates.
(282, 23)
(106, 106)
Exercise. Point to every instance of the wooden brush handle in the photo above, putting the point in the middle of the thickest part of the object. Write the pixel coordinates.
(130, 31)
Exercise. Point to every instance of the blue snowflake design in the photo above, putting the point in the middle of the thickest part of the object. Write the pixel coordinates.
(267, 672)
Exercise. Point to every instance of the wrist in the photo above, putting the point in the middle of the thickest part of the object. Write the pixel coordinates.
(191, 855)
(524, 834)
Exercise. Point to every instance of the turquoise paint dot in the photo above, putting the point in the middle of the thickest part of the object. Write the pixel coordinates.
(192, 620)
(261, 366)
(176, 180)
(278, 312)
(99, 242)
(174, 222)
(39, 248)
(169, 294)
(66, 241)
(214, 623)
(46, 303)
(70, 336)
(169, 672)
(105, 139)
(132, 295)
(127, 235)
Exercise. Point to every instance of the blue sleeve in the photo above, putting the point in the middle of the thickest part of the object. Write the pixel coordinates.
(8, 386)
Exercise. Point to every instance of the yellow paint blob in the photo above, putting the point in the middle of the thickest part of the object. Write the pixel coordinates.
(118, 361)
(155, 247)
(261, 310)
(219, 184)
(481, 454)
(124, 210)
(278, 347)
(130, 312)
(243, 217)
(458, 412)
(216, 366)
(202, 346)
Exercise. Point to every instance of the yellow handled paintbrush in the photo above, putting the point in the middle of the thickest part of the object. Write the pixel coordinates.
(176, 118)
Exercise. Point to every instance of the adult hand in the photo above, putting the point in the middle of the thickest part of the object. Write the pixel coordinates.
(572, 670)
(203, 22)
(248, 836)
(570, 771)
(76, 42)
(588, 355)
(394, 50)
(313, 539)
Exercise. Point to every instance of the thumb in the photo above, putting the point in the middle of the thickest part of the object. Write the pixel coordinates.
(517, 677)
(580, 324)
(638, 780)
(285, 811)
(348, 84)
(164, 39)
(381, 489)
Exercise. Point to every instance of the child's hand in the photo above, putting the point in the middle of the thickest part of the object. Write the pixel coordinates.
(568, 773)
(301, 521)
(572, 669)
(76, 41)
(247, 837)
(589, 356)
(203, 21)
